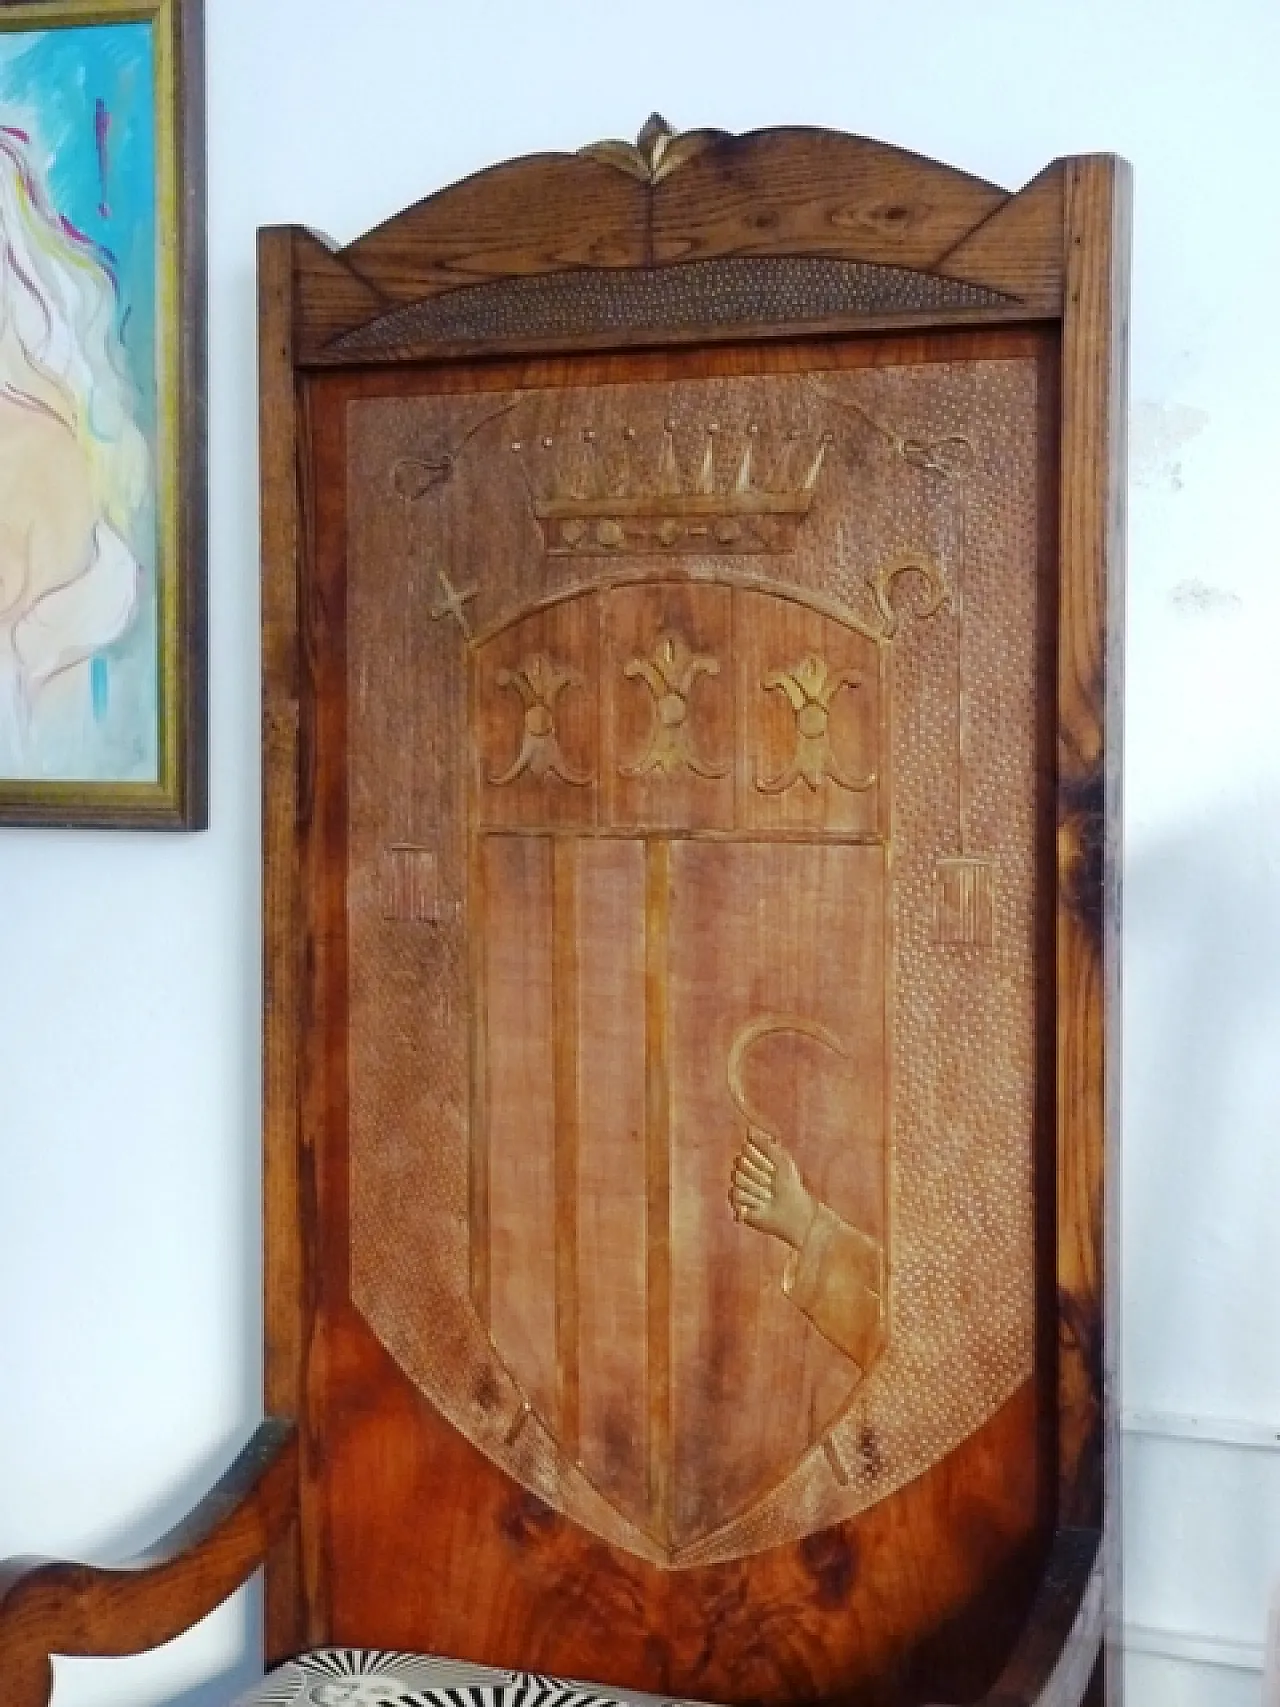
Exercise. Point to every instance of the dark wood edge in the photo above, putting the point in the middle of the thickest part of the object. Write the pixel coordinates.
(285, 1274)
(1055, 1656)
(1112, 923)
(1091, 524)
(588, 343)
(50, 1607)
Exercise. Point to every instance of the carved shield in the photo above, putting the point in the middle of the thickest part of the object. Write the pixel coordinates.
(690, 930)
(678, 904)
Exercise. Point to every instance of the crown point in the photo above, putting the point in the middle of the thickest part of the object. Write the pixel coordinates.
(707, 474)
(742, 481)
(815, 467)
(547, 442)
(654, 133)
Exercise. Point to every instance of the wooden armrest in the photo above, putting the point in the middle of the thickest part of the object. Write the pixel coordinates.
(1054, 1657)
(48, 1607)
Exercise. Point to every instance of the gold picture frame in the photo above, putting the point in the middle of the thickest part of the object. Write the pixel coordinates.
(103, 654)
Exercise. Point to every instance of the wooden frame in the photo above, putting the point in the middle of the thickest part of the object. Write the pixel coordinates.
(144, 762)
(915, 246)
(1058, 254)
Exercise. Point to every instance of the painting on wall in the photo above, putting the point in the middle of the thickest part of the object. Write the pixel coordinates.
(102, 649)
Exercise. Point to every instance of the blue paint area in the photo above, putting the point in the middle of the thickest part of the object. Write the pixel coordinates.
(51, 84)
(99, 687)
(84, 94)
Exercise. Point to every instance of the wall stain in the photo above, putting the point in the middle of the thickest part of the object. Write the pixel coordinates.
(1195, 597)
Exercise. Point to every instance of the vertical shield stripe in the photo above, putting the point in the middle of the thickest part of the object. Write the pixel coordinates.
(565, 1020)
(521, 1137)
(611, 1174)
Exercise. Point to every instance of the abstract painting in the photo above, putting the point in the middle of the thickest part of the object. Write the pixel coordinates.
(101, 477)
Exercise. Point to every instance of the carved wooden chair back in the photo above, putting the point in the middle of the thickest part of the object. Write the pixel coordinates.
(689, 731)
(686, 660)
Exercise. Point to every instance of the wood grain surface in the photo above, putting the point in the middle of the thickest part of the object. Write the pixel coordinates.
(417, 1534)
(282, 1211)
(914, 1637)
(1097, 216)
(774, 193)
(918, 1601)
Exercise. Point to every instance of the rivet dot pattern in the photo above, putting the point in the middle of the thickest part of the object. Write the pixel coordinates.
(729, 290)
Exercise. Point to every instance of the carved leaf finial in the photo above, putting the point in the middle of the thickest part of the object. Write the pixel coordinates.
(658, 150)
(654, 135)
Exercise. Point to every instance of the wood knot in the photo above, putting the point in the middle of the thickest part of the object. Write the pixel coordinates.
(888, 218)
(831, 1560)
(1081, 849)
(526, 1521)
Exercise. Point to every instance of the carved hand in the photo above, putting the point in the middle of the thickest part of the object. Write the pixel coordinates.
(767, 1191)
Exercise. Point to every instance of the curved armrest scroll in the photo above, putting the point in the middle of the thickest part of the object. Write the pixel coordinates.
(48, 1607)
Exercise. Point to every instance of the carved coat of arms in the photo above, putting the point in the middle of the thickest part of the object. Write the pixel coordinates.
(678, 1213)
(686, 1081)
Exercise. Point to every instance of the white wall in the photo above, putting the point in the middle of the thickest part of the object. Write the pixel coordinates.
(129, 986)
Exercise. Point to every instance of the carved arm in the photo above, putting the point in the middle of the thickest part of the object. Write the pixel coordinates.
(48, 1607)
(1054, 1657)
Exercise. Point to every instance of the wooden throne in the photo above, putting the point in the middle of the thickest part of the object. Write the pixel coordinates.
(687, 663)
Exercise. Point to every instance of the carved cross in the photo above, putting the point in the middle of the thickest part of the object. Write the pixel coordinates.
(452, 602)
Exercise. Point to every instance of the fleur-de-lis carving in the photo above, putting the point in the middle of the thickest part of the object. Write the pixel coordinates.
(669, 674)
(810, 686)
(539, 683)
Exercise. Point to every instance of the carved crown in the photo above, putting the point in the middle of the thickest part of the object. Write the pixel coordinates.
(609, 496)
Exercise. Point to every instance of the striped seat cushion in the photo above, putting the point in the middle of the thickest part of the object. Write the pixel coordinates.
(366, 1677)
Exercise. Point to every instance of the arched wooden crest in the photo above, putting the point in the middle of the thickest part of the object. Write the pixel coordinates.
(686, 663)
